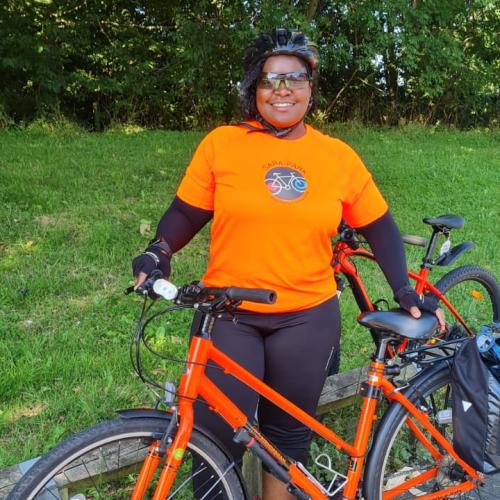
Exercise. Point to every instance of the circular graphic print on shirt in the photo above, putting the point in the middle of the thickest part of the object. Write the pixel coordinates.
(286, 183)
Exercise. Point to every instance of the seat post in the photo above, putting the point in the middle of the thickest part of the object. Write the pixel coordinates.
(427, 261)
(382, 348)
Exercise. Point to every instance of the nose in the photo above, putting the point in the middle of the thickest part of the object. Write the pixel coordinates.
(282, 89)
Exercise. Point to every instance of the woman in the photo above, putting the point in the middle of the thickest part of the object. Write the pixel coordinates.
(276, 190)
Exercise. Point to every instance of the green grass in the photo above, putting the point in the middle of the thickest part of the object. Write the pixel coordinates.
(71, 205)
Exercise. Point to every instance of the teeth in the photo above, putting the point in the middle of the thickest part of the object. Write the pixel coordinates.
(282, 104)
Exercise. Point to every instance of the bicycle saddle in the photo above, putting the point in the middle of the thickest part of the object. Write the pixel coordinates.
(401, 323)
(448, 221)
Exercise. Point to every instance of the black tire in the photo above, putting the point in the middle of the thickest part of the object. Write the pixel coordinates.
(396, 454)
(103, 461)
(475, 294)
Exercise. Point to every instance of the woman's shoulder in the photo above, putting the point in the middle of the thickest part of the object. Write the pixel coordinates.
(330, 141)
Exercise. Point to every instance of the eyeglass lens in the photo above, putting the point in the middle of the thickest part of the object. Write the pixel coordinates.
(294, 80)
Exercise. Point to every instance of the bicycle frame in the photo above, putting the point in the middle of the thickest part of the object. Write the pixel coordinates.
(342, 264)
(195, 383)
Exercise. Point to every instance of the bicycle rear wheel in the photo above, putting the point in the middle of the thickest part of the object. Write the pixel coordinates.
(475, 294)
(398, 456)
(103, 462)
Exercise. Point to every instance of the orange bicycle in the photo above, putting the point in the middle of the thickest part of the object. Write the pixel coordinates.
(469, 295)
(160, 453)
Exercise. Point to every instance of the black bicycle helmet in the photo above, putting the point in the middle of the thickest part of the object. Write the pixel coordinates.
(281, 41)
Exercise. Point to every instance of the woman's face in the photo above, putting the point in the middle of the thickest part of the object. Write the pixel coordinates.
(283, 107)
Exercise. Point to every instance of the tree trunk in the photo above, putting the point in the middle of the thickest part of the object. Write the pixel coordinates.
(391, 78)
(311, 9)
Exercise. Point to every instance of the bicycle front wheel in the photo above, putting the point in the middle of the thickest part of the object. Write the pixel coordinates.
(475, 294)
(103, 462)
(398, 456)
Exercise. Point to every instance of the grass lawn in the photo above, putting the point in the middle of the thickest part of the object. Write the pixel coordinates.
(74, 209)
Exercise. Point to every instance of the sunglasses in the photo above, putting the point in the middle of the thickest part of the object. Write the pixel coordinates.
(293, 81)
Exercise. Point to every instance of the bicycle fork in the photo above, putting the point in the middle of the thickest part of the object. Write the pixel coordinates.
(188, 388)
(155, 453)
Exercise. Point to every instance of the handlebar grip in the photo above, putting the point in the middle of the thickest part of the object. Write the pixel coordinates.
(415, 240)
(251, 295)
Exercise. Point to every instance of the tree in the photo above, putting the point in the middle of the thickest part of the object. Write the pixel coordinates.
(176, 64)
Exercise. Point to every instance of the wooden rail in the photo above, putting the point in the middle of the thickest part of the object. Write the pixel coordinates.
(339, 390)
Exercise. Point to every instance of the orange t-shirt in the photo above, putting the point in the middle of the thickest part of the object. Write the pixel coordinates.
(277, 203)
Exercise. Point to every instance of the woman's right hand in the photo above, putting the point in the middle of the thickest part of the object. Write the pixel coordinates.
(140, 279)
(156, 256)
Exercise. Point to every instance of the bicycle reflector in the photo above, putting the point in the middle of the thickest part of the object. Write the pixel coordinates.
(475, 294)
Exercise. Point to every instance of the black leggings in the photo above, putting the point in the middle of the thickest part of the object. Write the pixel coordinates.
(288, 351)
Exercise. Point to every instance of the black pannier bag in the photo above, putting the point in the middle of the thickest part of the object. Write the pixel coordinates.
(476, 408)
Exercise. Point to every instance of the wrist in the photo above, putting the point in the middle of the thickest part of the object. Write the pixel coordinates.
(156, 256)
(404, 291)
(407, 298)
(161, 246)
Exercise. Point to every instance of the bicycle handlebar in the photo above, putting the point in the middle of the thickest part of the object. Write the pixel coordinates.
(258, 295)
(349, 235)
(198, 293)
(155, 287)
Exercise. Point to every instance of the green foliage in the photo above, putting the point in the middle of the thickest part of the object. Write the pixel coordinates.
(54, 124)
(176, 64)
(5, 120)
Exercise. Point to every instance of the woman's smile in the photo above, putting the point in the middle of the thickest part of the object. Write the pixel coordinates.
(282, 105)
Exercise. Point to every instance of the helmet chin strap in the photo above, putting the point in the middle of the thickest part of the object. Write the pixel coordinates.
(277, 131)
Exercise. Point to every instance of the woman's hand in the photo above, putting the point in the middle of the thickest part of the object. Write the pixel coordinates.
(156, 256)
(140, 279)
(415, 312)
(410, 301)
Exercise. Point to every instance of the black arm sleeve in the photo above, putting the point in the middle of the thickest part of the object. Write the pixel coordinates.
(387, 246)
(180, 223)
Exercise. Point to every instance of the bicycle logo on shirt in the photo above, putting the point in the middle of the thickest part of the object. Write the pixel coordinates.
(285, 183)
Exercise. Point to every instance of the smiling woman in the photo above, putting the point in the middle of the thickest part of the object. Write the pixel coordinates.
(277, 190)
(284, 93)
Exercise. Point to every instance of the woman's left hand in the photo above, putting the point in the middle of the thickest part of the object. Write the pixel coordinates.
(409, 300)
(439, 313)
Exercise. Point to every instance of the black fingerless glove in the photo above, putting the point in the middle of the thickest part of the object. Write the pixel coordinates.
(156, 256)
(407, 297)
